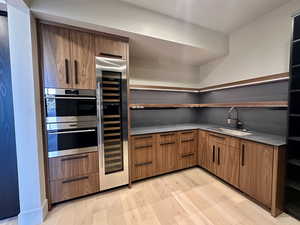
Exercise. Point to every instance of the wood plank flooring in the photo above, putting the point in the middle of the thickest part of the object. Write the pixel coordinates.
(189, 197)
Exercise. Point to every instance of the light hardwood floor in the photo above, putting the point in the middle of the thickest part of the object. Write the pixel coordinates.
(189, 197)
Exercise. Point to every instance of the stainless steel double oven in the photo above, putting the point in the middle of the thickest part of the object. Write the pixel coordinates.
(71, 121)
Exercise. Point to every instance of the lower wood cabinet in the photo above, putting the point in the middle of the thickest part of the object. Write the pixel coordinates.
(65, 189)
(187, 149)
(143, 157)
(166, 153)
(256, 171)
(73, 176)
(160, 153)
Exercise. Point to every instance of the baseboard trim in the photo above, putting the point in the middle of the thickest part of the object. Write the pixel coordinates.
(34, 216)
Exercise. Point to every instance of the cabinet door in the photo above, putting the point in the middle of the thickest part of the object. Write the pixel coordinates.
(111, 48)
(55, 43)
(166, 153)
(228, 163)
(202, 146)
(83, 60)
(256, 171)
(143, 149)
(187, 149)
(210, 156)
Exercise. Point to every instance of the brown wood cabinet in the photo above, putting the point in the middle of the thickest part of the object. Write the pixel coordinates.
(166, 153)
(73, 176)
(68, 58)
(228, 164)
(56, 56)
(65, 189)
(143, 154)
(187, 149)
(107, 47)
(73, 165)
(256, 165)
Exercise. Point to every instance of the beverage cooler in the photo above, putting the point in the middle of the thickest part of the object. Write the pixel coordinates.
(112, 115)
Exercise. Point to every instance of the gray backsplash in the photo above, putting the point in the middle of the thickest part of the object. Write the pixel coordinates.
(265, 120)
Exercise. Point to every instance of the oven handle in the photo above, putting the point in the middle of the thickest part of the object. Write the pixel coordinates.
(77, 98)
(74, 131)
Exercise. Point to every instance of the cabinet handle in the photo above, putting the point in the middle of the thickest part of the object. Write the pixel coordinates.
(75, 179)
(188, 140)
(110, 55)
(143, 146)
(214, 154)
(143, 164)
(219, 156)
(73, 158)
(168, 143)
(67, 71)
(76, 71)
(187, 155)
(164, 135)
(216, 136)
(143, 137)
(187, 132)
(243, 154)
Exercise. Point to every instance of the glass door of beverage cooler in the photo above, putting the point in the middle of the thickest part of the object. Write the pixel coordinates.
(112, 121)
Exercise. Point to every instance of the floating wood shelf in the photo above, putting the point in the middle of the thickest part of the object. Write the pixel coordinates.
(266, 104)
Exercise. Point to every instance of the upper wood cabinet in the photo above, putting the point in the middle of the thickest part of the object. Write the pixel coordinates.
(256, 164)
(83, 59)
(56, 52)
(111, 48)
(68, 58)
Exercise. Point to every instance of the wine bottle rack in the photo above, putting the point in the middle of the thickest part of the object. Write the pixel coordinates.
(112, 121)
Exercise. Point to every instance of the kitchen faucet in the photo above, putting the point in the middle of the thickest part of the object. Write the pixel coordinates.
(238, 124)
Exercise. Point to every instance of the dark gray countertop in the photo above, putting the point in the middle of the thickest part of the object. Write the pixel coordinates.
(264, 138)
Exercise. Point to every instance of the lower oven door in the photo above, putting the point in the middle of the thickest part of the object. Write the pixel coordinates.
(63, 142)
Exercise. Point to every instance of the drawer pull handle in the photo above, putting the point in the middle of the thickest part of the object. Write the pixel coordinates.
(165, 135)
(243, 155)
(143, 137)
(75, 179)
(187, 155)
(214, 154)
(110, 55)
(188, 140)
(168, 143)
(143, 146)
(218, 156)
(73, 158)
(216, 136)
(143, 164)
(187, 132)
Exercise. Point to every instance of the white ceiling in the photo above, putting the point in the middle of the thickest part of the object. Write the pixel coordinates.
(220, 15)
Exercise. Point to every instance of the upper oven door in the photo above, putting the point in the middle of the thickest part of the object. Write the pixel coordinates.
(61, 107)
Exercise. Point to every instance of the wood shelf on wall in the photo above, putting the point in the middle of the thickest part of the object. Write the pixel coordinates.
(264, 104)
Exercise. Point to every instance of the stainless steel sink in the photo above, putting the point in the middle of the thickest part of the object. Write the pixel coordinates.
(233, 132)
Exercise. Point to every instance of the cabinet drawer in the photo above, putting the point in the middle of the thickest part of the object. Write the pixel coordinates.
(233, 142)
(167, 138)
(217, 138)
(186, 136)
(73, 166)
(65, 189)
(143, 141)
(143, 169)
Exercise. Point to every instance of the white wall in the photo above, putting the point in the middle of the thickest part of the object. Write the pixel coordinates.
(158, 72)
(258, 49)
(27, 114)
